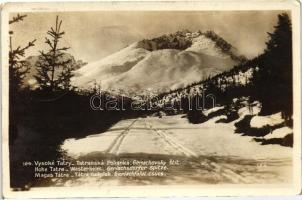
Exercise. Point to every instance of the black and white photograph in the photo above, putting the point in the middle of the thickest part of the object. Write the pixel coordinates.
(134, 98)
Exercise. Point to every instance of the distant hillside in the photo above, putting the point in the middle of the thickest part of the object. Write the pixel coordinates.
(240, 76)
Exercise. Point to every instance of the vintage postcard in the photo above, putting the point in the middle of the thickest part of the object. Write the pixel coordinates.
(137, 99)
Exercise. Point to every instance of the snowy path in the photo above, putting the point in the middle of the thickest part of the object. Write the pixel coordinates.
(209, 152)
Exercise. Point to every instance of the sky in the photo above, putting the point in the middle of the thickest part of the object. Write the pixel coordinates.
(92, 36)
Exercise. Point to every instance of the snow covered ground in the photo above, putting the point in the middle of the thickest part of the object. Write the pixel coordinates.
(209, 152)
(261, 121)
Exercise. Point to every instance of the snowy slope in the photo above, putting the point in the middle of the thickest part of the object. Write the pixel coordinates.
(157, 65)
(108, 67)
(162, 69)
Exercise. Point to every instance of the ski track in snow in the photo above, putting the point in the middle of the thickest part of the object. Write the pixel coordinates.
(115, 145)
(154, 136)
(221, 170)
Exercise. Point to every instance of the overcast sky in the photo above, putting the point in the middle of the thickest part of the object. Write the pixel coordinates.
(94, 35)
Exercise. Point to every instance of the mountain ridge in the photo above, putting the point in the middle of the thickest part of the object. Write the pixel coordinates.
(160, 64)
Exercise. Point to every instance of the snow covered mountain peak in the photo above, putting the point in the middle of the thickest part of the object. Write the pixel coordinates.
(160, 64)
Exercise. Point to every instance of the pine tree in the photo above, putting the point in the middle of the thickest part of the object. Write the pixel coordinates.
(273, 80)
(53, 72)
(18, 68)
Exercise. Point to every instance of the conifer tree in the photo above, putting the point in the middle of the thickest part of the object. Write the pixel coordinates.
(273, 80)
(18, 68)
(53, 72)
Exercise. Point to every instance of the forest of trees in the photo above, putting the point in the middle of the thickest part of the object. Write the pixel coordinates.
(270, 80)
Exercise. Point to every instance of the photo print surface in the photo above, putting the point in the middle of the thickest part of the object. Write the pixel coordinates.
(150, 98)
